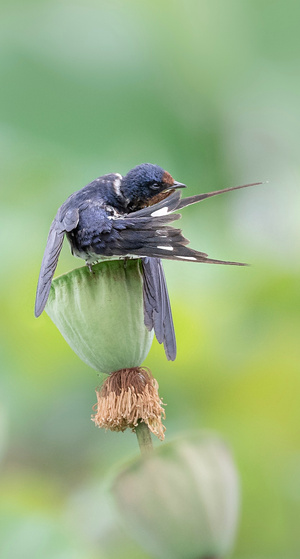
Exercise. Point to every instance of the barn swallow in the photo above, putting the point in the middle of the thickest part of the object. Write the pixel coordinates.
(118, 216)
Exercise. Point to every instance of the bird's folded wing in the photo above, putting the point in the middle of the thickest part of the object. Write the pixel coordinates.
(53, 247)
(157, 308)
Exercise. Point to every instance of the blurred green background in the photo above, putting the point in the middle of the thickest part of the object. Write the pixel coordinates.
(210, 91)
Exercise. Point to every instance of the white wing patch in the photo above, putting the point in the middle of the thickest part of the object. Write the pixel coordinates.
(116, 184)
(165, 248)
(162, 211)
(187, 257)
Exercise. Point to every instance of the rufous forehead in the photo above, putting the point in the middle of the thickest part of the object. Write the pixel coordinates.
(167, 179)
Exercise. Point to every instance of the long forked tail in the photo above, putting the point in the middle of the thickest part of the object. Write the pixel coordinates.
(198, 197)
(169, 244)
(147, 233)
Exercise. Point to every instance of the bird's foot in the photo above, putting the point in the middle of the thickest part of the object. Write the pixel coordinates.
(125, 260)
(90, 267)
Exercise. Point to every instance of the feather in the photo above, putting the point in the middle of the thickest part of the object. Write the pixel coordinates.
(52, 251)
(157, 308)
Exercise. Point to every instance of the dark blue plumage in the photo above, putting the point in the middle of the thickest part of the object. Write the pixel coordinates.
(117, 217)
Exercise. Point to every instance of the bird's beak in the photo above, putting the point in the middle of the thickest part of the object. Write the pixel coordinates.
(178, 185)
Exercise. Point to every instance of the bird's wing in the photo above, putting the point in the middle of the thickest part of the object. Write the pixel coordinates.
(63, 222)
(157, 308)
(164, 207)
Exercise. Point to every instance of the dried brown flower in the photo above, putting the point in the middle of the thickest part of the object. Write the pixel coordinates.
(126, 397)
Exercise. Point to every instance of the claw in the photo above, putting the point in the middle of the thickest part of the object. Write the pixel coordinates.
(90, 267)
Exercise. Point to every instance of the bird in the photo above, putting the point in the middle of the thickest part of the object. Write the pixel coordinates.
(117, 216)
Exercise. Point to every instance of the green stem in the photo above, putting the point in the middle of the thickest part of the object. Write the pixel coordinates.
(144, 438)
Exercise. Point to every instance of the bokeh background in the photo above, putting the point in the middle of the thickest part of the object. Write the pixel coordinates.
(210, 91)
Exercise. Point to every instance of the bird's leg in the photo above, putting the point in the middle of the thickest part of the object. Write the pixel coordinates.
(90, 267)
(125, 262)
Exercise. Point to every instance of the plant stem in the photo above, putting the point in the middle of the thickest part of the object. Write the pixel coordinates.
(144, 438)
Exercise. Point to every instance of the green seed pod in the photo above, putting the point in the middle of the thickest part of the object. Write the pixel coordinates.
(101, 314)
(182, 501)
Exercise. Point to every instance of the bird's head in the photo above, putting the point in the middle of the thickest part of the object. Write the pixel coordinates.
(147, 184)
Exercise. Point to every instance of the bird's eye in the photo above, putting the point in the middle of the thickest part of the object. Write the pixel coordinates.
(155, 186)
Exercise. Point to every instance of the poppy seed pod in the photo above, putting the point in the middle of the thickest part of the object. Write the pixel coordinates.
(182, 501)
(100, 314)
